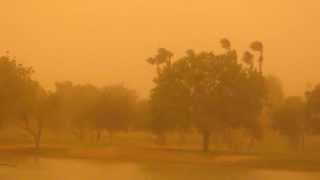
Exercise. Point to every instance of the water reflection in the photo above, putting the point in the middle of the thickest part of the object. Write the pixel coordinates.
(61, 169)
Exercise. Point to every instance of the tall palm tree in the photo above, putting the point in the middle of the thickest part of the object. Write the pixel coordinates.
(163, 56)
(153, 61)
(231, 53)
(258, 47)
(225, 44)
(190, 53)
(248, 59)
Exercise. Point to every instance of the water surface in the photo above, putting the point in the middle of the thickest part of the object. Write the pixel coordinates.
(70, 169)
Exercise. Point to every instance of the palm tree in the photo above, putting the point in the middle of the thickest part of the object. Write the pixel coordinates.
(190, 53)
(248, 59)
(163, 56)
(153, 61)
(258, 47)
(225, 44)
(231, 53)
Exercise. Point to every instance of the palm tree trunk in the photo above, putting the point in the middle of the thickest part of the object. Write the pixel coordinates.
(261, 62)
(205, 141)
(158, 69)
(98, 135)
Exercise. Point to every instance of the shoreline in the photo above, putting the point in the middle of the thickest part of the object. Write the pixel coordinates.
(212, 159)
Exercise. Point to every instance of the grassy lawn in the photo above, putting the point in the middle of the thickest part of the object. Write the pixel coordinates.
(141, 148)
(168, 155)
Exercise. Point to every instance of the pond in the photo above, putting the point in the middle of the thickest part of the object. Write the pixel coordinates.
(71, 169)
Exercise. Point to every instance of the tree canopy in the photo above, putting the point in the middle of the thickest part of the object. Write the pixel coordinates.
(211, 91)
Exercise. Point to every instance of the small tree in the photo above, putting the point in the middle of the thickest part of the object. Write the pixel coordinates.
(35, 112)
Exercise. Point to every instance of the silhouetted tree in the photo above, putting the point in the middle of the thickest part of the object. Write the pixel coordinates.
(225, 44)
(163, 57)
(248, 59)
(14, 80)
(114, 109)
(163, 102)
(211, 91)
(313, 109)
(23, 101)
(290, 120)
(258, 47)
(142, 116)
(35, 111)
(275, 93)
(73, 103)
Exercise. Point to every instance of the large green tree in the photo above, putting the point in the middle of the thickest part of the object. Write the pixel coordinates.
(213, 91)
(23, 101)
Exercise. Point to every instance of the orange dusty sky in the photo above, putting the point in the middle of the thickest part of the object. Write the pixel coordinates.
(103, 42)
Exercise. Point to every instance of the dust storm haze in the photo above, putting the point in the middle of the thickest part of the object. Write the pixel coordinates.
(153, 90)
(103, 42)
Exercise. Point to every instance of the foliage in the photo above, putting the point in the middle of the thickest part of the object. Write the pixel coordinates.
(114, 109)
(289, 119)
(209, 91)
(313, 109)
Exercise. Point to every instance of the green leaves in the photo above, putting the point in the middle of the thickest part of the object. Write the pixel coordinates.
(213, 90)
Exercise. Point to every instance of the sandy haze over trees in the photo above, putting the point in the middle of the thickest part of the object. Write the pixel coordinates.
(103, 42)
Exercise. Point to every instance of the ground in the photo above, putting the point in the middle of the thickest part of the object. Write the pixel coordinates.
(138, 150)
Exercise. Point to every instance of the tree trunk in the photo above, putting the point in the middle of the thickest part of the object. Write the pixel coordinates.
(111, 135)
(158, 70)
(37, 142)
(81, 135)
(229, 139)
(260, 62)
(38, 135)
(98, 135)
(34, 132)
(183, 137)
(205, 141)
(301, 141)
(251, 144)
(82, 131)
(162, 140)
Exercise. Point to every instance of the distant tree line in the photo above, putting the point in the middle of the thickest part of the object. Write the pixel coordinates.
(212, 94)
(297, 117)
(71, 107)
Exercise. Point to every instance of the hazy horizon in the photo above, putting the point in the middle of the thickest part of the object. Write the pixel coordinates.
(103, 42)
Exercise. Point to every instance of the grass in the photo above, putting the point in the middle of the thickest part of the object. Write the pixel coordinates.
(172, 156)
(122, 149)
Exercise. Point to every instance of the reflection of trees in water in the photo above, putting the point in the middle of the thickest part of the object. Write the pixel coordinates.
(7, 165)
(84, 170)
